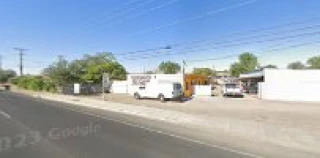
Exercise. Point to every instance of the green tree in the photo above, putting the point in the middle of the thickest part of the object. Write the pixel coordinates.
(91, 68)
(5, 75)
(88, 68)
(247, 62)
(149, 72)
(270, 66)
(59, 71)
(94, 72)
(204, 71)
(314, 62)
(169, 67)
(296, 65)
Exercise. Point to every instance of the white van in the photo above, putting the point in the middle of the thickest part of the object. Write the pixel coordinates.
(162, 91)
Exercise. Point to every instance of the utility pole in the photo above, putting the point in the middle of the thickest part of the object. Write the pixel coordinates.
(183, 67)
(184, 73)
(20, 50)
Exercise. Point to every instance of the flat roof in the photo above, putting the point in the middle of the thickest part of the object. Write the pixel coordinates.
(252, 74)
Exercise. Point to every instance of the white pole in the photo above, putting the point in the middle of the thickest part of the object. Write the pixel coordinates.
(103, 97)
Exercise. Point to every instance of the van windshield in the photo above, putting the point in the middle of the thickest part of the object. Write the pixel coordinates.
(177, 86)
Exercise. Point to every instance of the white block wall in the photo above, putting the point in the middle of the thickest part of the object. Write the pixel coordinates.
(291, 85)
(202, 90)
(119, 87)
(295, 76)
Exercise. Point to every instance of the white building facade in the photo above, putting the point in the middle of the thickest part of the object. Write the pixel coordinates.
(287, 85)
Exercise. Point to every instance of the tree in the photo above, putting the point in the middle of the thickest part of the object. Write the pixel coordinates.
(204, 71)
(149, 72)
(59, 71)
(247, 62)
(296, 65)
(236, 69)
(314, 62)
(270, 66)
(94, 72)
(5, 75)
(88, 68)
(169, 67)
(91, 67)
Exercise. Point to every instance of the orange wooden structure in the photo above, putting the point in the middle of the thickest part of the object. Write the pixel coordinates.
(190, 80)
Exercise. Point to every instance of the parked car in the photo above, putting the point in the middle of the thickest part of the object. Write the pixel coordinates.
(162, 91)
(232, 89)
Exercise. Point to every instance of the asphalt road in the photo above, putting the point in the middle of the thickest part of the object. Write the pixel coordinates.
(32, 128)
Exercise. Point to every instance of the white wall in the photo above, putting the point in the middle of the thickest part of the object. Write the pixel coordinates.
(202, 90)
(291, 85)
(119, 87)
(295, 76)
(135, 80)
(290, 91)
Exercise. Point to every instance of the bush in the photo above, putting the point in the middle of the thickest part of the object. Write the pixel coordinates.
(23, 82)
(49, 86)
(35, 83)
(14, 80)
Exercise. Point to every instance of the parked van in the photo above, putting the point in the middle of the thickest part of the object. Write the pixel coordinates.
(163, 91)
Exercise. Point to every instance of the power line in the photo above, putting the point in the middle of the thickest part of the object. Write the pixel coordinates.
(20, 50)
(231, 45)
(131, 4)
(267, 50)
(123, 12)
(145, 50)
(254, 30)
(113, 11)
(237, 40)
(172, 46)
(143, 12)
(265, 35)
(209, 13)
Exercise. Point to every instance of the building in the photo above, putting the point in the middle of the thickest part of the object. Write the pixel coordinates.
(222, 77)
(284, 84)
(191, 80)
(134, 81)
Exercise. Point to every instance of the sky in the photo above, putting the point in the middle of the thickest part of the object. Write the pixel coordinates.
(276, 31)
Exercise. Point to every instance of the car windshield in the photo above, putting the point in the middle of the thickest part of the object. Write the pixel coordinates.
(232, 86)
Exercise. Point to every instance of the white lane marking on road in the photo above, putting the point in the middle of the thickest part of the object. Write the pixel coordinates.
(170, 134)
(5, 114)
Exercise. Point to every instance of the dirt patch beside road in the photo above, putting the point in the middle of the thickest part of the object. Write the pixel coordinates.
(288, 114)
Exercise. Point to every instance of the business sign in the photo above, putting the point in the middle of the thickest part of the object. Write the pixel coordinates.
(140, 80)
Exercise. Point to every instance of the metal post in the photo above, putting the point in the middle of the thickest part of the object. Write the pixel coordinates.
(103, 86)
(184, 74)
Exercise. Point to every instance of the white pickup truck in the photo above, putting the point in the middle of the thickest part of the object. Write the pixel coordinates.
(162, 91)
(232, 89)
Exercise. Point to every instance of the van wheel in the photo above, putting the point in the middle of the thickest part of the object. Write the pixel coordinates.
(161, 98)
(136, 96)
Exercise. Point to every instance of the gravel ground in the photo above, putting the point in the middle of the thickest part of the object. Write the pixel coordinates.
(295, 114)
